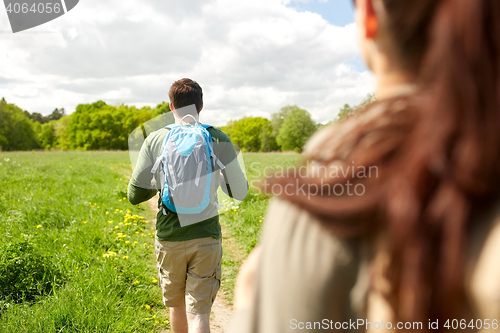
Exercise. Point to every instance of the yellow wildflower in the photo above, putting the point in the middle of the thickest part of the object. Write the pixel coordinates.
(38, 226)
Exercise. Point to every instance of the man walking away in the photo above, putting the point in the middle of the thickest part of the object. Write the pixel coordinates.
(188, 254)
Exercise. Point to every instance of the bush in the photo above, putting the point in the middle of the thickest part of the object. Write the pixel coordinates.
(25, 273)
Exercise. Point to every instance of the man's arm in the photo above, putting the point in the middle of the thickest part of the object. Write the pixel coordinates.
(233, 182)
(139, 186)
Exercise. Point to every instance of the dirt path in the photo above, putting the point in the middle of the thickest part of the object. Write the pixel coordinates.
(221, 309)
(220, 315)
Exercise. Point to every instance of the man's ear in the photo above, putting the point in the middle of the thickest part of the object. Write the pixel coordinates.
(370, 19)
(171, 107)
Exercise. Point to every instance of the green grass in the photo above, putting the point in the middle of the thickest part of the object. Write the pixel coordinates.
(243, 220)
(70, 207)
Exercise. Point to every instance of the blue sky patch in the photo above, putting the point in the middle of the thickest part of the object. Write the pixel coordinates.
(336, 12)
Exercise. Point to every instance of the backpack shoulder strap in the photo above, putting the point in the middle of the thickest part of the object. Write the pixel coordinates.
(161, 158)
(212, 152)
(205, 126)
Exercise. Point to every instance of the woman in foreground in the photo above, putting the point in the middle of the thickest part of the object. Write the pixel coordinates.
(418, 243)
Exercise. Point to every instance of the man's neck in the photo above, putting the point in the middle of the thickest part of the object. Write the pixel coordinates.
(186, 119)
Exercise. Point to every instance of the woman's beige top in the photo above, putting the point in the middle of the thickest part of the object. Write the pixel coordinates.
(308, 279)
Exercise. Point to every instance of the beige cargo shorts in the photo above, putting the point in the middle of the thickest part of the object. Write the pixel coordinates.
(190, 271)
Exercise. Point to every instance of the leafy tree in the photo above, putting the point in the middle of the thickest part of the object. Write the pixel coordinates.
(61, 132)
(348, 110)
(56, 114)
(278, 118)
(47, 137)
(246, 132)
(35, 116)
(268, 134)
(345, 111)
(297, 127)
(16, 130)
(101, 126)
(268, 140)
(39, 118)
(161, 108)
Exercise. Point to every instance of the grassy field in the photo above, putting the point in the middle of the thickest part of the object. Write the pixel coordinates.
(77, 257)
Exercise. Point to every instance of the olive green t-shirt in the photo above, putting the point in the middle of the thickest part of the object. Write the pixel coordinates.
(168, 227)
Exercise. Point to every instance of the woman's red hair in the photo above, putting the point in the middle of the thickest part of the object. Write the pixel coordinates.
(437, 152)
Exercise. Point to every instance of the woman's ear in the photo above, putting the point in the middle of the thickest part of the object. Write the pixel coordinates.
(370, 19)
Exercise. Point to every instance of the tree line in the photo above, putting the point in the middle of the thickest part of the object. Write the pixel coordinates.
(99, 126)
(288, 129)
(95, 126)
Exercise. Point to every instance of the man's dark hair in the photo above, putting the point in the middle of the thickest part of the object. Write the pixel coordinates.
(186, 92)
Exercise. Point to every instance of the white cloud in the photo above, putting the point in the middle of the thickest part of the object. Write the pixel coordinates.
(250, 57)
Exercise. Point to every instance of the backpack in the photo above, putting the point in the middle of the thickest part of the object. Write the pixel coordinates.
(188, 164)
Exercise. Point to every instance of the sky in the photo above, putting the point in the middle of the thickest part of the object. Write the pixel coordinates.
(250, 57)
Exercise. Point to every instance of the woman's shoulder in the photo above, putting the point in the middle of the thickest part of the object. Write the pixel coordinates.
(326, 267)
